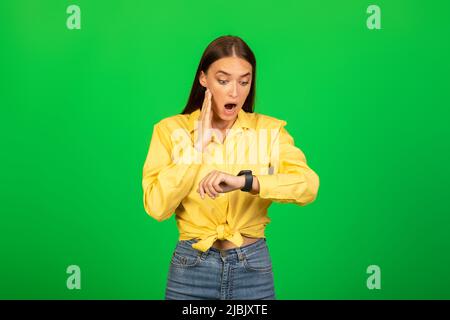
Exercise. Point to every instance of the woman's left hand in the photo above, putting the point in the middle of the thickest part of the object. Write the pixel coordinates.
(217, 182)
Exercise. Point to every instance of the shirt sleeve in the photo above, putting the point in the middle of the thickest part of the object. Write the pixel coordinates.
(293, 181)
(166, 182)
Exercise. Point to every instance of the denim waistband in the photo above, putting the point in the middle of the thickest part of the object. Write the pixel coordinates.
(237, 253)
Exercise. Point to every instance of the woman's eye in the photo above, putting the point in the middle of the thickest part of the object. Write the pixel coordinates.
(244, 83)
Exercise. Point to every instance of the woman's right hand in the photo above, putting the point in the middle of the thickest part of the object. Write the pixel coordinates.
(203, 126)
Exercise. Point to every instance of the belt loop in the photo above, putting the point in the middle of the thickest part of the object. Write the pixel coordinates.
(240, 253)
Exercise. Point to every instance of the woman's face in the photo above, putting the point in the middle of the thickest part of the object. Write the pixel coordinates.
(229, 80)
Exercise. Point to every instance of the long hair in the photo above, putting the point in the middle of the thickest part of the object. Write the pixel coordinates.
(222, 47)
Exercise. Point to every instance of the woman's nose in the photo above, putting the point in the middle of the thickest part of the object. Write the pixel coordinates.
(233, 93)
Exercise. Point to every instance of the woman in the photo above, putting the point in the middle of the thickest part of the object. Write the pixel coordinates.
(219, 166)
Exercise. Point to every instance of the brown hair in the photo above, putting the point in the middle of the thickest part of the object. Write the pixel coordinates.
(222, 47)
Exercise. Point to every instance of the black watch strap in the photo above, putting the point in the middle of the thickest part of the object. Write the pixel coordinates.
(248, 179)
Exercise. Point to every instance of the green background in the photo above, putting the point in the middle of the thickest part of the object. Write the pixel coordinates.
(369, 108)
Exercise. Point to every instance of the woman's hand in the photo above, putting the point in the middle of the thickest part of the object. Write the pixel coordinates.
(217, 182)
(204, 125)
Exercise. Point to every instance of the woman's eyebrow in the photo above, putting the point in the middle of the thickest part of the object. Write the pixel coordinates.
(221, 71)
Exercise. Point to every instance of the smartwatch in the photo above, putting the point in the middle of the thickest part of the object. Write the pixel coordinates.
(248, 180)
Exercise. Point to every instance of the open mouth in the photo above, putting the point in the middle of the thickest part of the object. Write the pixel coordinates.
(230, 106)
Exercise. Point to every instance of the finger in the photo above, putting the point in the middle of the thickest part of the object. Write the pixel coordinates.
(200, 123)
(216, 183)
(202, 186)
(208, 114)
(204, 105)
(201, 189)
(208, 185)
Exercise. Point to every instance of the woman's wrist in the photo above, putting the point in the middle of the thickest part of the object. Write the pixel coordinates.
(255, 184)
(241, 182)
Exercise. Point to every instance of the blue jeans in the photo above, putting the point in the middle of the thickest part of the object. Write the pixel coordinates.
(243, 273)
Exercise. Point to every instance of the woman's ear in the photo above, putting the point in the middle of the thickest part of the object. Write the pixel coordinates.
(202, 79)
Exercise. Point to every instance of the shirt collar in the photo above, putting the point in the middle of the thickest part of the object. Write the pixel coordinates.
(243, 120)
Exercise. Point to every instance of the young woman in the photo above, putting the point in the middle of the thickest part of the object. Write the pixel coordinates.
(219, 165)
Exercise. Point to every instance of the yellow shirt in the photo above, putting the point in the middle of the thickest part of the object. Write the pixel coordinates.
(173, 169)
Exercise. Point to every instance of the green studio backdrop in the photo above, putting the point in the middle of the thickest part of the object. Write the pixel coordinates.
(369, 108)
